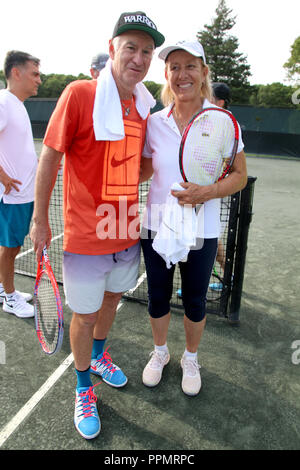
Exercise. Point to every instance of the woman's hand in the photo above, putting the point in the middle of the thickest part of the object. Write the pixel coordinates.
(194, 194)
(234, 182)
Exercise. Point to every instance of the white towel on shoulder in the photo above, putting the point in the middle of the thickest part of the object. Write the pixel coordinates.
(107, 113)
(177, 231)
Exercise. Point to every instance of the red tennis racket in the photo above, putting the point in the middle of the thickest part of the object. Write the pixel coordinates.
(208, 146)
(48, 311)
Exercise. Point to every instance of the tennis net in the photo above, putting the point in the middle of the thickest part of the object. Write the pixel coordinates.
(220, 289)
(26, 261)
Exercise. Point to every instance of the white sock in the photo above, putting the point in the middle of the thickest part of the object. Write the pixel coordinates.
(162, 349)
(190, 355)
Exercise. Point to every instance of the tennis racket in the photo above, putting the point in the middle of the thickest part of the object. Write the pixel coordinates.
(208, 146)
(48, 311)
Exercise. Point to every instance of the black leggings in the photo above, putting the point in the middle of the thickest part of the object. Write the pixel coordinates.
(195, 276)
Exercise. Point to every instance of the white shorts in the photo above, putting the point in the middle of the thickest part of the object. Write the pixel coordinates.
(87, 277)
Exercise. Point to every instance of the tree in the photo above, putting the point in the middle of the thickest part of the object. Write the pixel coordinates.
(154, 89)
(292, 66)
(273, 95)
(221, 50)
(2, 80)
(53, 84)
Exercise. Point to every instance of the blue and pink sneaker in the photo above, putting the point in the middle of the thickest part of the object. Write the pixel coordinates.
(109, 372)
(86, 418)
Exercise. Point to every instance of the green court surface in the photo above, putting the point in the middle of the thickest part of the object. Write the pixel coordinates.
(250, 397)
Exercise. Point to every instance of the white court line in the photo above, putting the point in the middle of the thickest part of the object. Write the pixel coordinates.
(34, 400)
(139, 281)
(15, 422)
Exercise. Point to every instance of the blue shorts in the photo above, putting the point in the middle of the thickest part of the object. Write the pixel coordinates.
(14, 223)
(195, 276)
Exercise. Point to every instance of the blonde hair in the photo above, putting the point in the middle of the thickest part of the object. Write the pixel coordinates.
(167, 96)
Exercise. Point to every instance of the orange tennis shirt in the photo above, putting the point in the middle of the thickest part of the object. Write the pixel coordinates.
(101, 178)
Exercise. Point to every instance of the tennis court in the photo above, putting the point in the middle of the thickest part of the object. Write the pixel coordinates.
(251, 387)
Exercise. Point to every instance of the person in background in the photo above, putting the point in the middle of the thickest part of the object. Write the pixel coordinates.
(187, 91)
(98, 63)
(99, 125)
(18, 163)
(221, 95)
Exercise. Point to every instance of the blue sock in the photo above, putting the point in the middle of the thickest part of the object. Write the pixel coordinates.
(83, 378)
(98, 346)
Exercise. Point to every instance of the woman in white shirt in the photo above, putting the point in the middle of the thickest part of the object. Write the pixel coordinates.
(187, 91)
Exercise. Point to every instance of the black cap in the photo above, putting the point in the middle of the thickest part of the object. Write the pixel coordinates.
(138, 20)
(221, 91)
(99, 61)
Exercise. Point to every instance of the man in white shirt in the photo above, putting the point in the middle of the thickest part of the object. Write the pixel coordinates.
(18, 163)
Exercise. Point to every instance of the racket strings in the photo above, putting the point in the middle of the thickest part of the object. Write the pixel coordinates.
(46, 308)
(208, 148)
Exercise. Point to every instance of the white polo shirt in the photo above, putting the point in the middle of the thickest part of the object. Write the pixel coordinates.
(162, 145)
(18, 157)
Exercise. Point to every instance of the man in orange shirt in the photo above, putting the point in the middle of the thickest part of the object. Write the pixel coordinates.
(100, 127)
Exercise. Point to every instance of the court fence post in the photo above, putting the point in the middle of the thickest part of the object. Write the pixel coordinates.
(230, 252)
(245, 218)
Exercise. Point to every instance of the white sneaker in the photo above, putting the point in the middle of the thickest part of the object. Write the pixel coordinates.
(153, 370)
(191, 379)
(17, 305)
(26, 296)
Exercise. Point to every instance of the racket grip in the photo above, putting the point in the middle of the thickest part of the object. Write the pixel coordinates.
(43, 255)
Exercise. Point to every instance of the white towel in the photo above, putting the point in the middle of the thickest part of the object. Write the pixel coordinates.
(107, 113)
(177, 232)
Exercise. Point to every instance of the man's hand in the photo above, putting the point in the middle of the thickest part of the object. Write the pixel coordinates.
(40, 235)
(8, 182)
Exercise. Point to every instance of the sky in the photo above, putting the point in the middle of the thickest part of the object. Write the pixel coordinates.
(66, 34)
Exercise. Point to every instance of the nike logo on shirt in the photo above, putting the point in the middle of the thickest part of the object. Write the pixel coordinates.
(115, 162)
